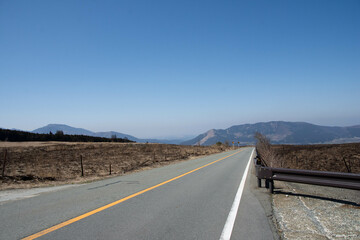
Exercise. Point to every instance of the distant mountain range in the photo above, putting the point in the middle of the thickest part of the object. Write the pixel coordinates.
(81, 131)
(279, 132)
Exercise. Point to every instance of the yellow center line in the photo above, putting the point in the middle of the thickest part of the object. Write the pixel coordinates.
(72, 220)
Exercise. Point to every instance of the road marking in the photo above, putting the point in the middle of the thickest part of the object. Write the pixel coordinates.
(229, 224)
(70, 221)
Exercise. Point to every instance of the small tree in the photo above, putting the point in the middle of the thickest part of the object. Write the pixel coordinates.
(59, 133)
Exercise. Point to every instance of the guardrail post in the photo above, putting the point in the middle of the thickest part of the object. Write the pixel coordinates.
(271, 186)
(259, 182)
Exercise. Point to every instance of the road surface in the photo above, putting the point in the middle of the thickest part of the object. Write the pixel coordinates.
(195, 199)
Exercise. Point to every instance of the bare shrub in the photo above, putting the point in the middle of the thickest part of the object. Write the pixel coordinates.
(265, 152)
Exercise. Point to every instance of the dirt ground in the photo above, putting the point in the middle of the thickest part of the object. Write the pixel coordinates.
(32, 164)
(321, 157)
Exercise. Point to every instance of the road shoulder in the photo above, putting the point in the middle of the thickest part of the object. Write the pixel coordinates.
(314, 212)
(256, 212)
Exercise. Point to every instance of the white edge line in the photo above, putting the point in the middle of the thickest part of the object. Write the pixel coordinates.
(229, 224)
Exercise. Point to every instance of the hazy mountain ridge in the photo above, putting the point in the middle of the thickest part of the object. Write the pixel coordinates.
(279, 132)
(65, 128)
(81, 131)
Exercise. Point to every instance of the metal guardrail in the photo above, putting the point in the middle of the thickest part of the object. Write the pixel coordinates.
(322, 178)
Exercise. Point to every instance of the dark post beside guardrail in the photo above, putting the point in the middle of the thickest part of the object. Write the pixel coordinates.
(322, 178)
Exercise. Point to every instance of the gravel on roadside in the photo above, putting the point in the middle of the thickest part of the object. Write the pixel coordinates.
(314, 212)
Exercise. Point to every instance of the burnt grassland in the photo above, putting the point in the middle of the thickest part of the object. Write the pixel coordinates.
(39, 162)
(321, 157)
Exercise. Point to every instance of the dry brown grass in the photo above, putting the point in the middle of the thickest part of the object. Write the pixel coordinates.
(321, 157)
(38, 162)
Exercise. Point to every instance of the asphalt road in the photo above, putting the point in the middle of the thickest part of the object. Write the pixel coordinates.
(193, 205)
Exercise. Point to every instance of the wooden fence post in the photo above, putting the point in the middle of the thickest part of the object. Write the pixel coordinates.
(82, 167)
(4, 163)
(110, 169)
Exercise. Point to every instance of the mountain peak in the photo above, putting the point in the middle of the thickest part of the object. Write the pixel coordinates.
(65, 128)
(56, 125)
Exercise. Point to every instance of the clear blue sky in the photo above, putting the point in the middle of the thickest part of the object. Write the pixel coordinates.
(175, 68)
